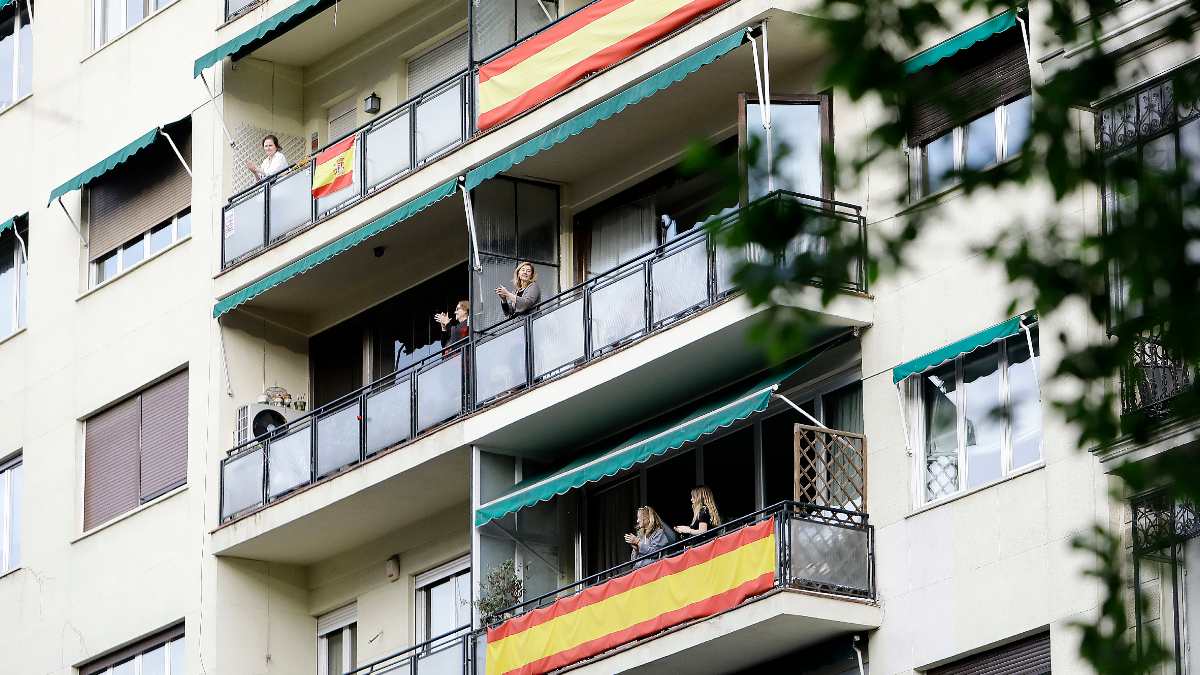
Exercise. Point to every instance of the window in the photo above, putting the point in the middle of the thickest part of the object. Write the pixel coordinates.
(978, 418)
(1027, 656)
(337, 641)
(11, 484)
(141, 247)
(160, 654)
(991, 82)
(141, 207)
(14, 277)
(437, 65)
(801, 127)
(342, 117)
(443, 599)
(500, 23)
(16, 52)
(135, 450)
(111, 18)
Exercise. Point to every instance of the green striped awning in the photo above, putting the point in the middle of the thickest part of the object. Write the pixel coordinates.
(964, 346)
(3, 4)
(605, 109)
(104, 166)
(346, 241)
(641, 448)
(264, 32)
(952, 46)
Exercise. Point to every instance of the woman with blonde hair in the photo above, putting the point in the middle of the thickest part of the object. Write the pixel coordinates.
(704, 512)
(652, 535)
(526, 294)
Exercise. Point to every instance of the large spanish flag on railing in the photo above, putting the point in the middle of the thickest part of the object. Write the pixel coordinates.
(583, 43)
(335, 167)
(700, 582)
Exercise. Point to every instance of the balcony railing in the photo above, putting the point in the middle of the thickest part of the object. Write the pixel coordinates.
(608, 312)
(392, 145)
(1153, 377)
(453, 653)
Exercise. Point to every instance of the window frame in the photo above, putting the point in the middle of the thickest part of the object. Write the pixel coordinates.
(914, 404)
(18, 307)
(446, 572)
(823, 100)
(17, 94)
(919, 161)
(150, 8)
(170, 640)
(348, 629)
(96, 265)
(7, 499)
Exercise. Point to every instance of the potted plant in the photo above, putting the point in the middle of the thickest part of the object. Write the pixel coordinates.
(502, 588)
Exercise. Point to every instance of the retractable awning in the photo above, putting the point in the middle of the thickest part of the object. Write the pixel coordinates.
(965, 39)
(966, 345)
(605, 109)
(11, 221)
(105, 165)
(263, 33)
(346, 241)
(639, 449)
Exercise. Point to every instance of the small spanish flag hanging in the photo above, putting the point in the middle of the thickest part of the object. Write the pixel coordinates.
(335, 167)
(586, 42)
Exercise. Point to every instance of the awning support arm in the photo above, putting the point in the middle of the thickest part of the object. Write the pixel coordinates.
(73, 223)
(903, 419)
(1037, 378)
(524, 546)
(762, 80)
(815, 421)
(178, 154)
(213, 99)
(469, 210)
(544, 10)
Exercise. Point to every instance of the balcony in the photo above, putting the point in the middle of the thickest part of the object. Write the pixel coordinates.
(766, 584)
(607, 314)
(1152, 378)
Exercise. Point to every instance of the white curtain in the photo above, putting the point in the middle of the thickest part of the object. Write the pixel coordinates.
(621, 234)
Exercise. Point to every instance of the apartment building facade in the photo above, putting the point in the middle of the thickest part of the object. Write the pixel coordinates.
(268, 456)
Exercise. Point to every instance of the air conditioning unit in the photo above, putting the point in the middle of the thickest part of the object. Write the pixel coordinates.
(259, 419)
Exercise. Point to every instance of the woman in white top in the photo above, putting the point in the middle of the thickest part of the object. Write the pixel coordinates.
(273, 163)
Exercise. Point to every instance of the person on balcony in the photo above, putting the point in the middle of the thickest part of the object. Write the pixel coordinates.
(704, 512)
(457, 328)
(273, 163)
(526, 295)
(652, 535)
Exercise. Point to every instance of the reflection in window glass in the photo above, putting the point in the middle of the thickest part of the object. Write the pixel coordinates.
(154, 662)
(939, 162)
(178, 655)
(983, 413)
(160, 237)
(8, 283)
(796, 135)
(135, 11)
(8, 55)
(125, 668)
(940, 417)
(183, 226)
(1026, 403)
(333, 652)
(106, 267)
(1019, 116)
(133, 252)
(981, 142)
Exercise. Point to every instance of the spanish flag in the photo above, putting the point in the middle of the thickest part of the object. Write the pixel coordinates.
(701, 582)
(580, 45)
(335, 167)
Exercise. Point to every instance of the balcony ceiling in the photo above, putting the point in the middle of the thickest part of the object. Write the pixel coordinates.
(361, 25)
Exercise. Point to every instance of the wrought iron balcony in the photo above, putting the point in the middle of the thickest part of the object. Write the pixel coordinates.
(1153, 377)
(451, 653)
(610, 311)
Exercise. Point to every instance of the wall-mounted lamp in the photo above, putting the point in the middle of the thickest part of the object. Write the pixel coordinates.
(371, 104)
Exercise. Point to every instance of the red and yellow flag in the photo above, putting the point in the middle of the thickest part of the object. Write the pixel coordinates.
(583, 43)
(335, 167)
(701, 582)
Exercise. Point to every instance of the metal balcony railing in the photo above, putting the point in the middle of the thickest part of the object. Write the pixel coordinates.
(610, 311)
(452, 653)
(1153, 377)
(392, 145)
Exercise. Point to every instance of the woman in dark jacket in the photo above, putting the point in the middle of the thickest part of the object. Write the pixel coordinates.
(527, 294)
(457, 328)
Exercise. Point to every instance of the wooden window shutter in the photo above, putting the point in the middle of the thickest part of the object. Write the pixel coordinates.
(146, 190)
(110, 463)
(164, 443)
(981, 78)
(1029, 656)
